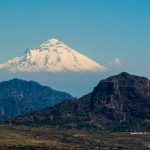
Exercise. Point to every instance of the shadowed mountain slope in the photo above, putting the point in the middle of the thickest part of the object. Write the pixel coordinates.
(118, 103)
(18, 97)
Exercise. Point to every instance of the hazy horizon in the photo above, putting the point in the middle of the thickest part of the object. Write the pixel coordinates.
(115, 34)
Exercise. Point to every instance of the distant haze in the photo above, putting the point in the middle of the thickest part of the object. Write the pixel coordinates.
(113, 34)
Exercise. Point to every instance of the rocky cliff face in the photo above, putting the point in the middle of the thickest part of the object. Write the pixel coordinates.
(118, 103)
(18, 97)
(122, 96)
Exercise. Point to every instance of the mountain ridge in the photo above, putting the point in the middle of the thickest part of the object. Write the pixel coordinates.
(118, 103)
(18, 97)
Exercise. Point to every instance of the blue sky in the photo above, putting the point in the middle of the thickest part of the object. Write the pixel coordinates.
(101, 29)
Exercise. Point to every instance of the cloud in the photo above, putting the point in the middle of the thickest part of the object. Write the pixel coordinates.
(116, 62)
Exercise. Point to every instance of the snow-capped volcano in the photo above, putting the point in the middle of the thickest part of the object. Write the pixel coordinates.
(51, 56)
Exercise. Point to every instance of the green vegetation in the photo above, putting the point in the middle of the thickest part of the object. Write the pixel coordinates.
(35, 138)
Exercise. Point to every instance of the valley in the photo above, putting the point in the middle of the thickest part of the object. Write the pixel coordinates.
(36, 138)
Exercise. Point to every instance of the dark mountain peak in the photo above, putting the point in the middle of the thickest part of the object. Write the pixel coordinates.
(124, 74)
(130, 76)
(121, 93)
(19, 97)
(21, 80)
(125, 79)
(15, 80)
(121, 83)
(20, 83)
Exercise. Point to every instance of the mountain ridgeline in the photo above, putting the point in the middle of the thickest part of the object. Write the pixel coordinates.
(18, 97)
(118, 103)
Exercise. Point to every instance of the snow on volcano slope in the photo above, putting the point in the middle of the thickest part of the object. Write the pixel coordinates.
(51, 56)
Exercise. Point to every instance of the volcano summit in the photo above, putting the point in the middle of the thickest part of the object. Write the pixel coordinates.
(51, 56)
